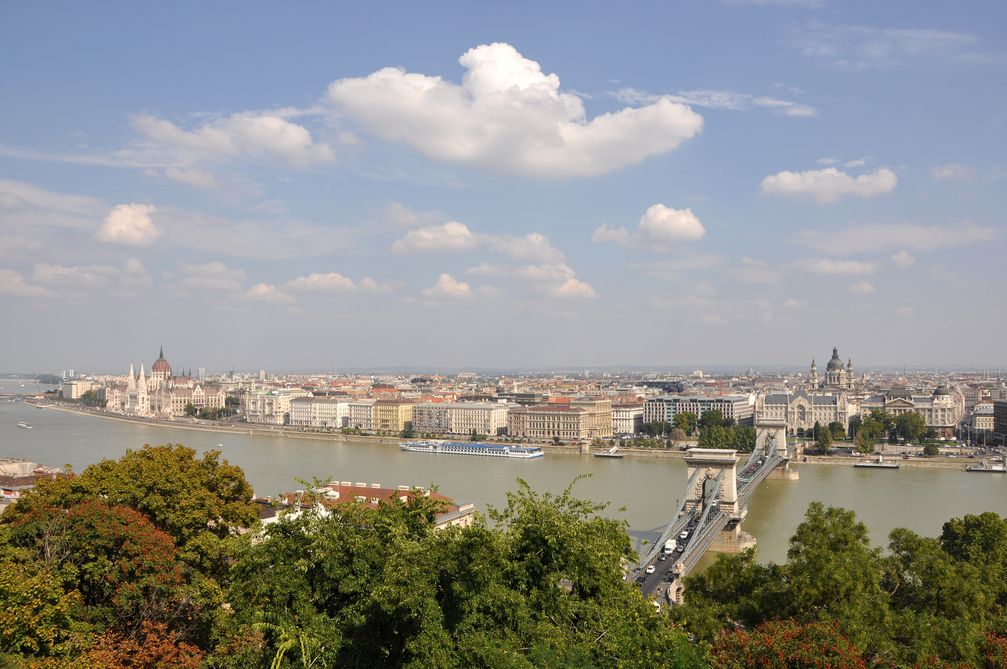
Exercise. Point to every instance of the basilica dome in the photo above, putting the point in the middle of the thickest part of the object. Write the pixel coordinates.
(835, 363)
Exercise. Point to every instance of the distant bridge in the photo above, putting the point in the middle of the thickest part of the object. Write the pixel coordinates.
(715, 502)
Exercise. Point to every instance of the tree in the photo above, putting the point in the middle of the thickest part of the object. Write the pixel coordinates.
(90, 399)
(715, 436)
(787, 644)
(824, 439)
(200, 502)
(408, 432)
(678, 435)
(743, 438)
(931, 450)
(657, 428)
(36, 615)
(365, 587)
(862, 442)
(837, 430)
(191, 410)
(685, 421)
(855, 423)
(711, 418)
(155, 647)
(910, 426)
(124, 568)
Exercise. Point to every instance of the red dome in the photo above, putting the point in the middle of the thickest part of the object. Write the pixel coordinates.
(161, 365)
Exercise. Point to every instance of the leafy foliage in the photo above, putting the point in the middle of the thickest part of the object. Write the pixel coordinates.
(927, 603)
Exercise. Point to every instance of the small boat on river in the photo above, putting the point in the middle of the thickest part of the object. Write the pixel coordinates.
(878, 463)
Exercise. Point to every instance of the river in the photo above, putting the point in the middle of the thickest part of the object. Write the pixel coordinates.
(643, 491)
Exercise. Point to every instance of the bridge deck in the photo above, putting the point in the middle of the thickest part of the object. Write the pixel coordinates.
(703, 523)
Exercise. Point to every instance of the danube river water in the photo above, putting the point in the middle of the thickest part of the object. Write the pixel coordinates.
(643, 491)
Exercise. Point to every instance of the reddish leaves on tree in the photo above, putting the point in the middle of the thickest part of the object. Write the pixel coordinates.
(787, 644)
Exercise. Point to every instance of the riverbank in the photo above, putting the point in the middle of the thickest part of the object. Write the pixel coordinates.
(294, 433)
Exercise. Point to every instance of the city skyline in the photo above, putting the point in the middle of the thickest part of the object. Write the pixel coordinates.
(738, 184)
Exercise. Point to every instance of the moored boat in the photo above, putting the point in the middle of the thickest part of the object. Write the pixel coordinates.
(878, 463)
(470, 448)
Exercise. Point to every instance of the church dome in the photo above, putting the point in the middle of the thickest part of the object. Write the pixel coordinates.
(161, 365)
(835, 363)
(942, 390)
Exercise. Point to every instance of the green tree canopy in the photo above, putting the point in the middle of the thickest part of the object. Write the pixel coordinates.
(686, 421)
(910, 426)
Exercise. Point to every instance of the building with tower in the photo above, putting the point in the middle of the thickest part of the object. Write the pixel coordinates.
(162, 394)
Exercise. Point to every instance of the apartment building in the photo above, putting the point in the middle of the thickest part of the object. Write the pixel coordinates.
(664, 407)
(568, 421)
(392, 416)
(486, 418)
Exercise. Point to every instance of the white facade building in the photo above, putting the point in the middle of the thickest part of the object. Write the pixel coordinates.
(361, 414)
(271, 407)
(627, 418)
(319, 412)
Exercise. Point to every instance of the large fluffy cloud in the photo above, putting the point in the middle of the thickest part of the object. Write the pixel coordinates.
(658, 227)
(830, 184)
(129, 224)
(508, 116)
(552, 279)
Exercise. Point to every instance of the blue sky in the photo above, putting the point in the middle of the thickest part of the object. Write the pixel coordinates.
(737, 182)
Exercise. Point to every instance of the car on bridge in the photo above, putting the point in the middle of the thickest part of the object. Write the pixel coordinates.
(684, 534)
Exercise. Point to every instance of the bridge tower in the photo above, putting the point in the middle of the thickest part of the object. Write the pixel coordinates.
(711, 463)
(770, 438)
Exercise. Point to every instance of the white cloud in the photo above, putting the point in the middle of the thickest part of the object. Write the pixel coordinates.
(450, 236)
(334, 282)
(264, 292)
(717, 99)
(195, 178)
(658, 227)
(398, 215)
(791, 303)
(827, 266)
(25, 206)
(863, 287)
(508, 116)
(859, 162)
(757, 271)
(911, 236)
(12, 283)
(570, 288)
(212, 276)
(953, 171)
(245, 135)
(16, 245)
(830, 184)
(554, 280)
(129, 224)
(449, 287)
(129, 279)
(533, 247)
(861, 47)
(84, 276)
(328, 282)
(903, 259)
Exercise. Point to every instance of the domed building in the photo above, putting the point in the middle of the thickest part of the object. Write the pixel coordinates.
(837, 375)
(160, 371)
